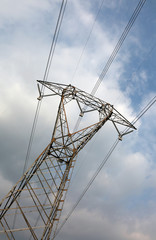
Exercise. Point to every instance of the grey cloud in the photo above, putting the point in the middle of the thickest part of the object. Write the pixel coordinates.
(113, 206)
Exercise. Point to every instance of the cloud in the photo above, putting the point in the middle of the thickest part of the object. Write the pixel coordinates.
(5, 185)
(22, 10)
(122, 197)
(95, 225)
(126, 178)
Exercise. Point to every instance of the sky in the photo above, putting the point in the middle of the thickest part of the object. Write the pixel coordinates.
(121, 203)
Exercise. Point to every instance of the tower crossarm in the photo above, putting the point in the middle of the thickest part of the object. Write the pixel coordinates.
(87, 102)
(70, 92)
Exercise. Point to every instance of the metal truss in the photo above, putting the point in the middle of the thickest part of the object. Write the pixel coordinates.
(32, 209)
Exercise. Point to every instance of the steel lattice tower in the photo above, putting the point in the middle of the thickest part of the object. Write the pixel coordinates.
(36, 201)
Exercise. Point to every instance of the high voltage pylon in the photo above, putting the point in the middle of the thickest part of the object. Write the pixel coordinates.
(37, 198)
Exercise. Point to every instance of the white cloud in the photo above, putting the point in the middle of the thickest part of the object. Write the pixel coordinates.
(131, 171)
(14, 11)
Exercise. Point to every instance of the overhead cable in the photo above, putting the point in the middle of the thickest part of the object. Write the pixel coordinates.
(45, 77)
(48, 65)
(144, 110)
(119, 44)
(115, 51)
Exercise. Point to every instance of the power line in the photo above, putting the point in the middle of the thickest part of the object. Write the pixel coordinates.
(102, 75)
(115, 51)
(48, 65)
(112, 57)
(143, 111)
(54, 41)
(153, 100)
(45, 77)
(119, 44)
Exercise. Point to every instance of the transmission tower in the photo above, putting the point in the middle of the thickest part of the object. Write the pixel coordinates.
(32, 209)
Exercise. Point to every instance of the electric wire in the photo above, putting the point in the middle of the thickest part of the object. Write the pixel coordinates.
(55, 38)
(100, 79)
(102, 75)
(119, 44)
(45, 77)
(143, 111)
(113, 55)
(48, 65)
(153, 100)
(149, 104)
(115, 51)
